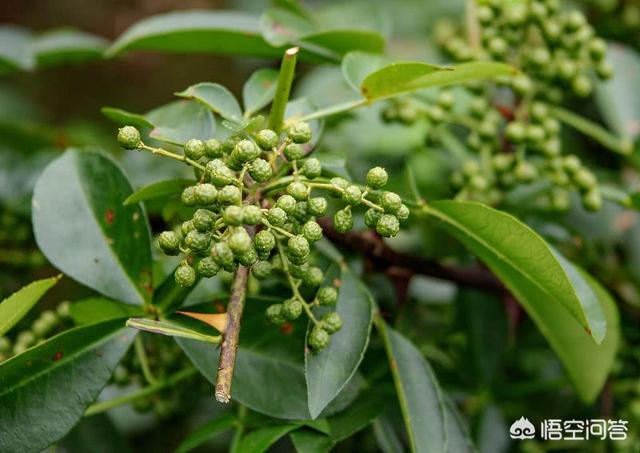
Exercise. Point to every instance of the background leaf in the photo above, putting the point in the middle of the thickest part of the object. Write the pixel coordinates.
(15, 51)
(46, 389)
(259, 89)
(215, 97)
(357, 65)
(180, 121)
(82, 227)
(207, 431)
(14, 307)
(261, 439)
(63, 46)
(158, 189)
(98, 309)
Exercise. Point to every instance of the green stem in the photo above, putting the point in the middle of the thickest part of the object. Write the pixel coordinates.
(595, 131)
(237, 435)
(165, 153)
(142, 358)
(292, 283)
(104, 406)
(329, 111)
(282, 231)
(279, 105)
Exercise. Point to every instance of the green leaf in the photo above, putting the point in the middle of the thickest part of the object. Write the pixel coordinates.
(82, 227)
(544, 285)
(215, 97)
(14, 307)
(280, 27)
(418, 392)
(124, 118)
(519, 256)
(98, 309)
(309, 441)
(197, 31)
(46, 389)
(171, 329)
(259, 90)
(261, 439)
(340, 42)
(329, 370)
(160, 189)
(15, 49)
(357, 65)
(369, 405)
(180, 121)
(405, 77)
(458, 438)
(206, 432)
(62, 46)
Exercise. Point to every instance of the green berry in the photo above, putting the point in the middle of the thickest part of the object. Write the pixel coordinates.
(339, 182)
(560, 200)
(312, 231)
(267, 139)
(298, 271)
(497, 47)
(300, 132)
(186, 227)
(343, 220)
(194, 149)
(581, 86)
(240, 242)
(535, 134)
(185, 276)
(217, 172)
(264, 241)
(206, 193)
(390, 202)
(584, 179)
(377, 177)
(327, 296)
(249, 258)
(521, 84)
(318, 339)
(213, 148)
(292, 308)
(129, 137)
(233, 215)
(571, 163)
(525, 172)
(445, 100)
(246, 151)
(298, 190)
(197, 241)
(203, 219)
(331, 322)
(604, 70)
(222, 254)
(313, 276)
(207, 267)
(515, 132)
(252, 215)
(388, 225)
(551, 147)
(298, 246)
(312, 168)
(403, 213)
(260, 170)
(293, 151)
(5, 345)
(261, 270)
(230, 195)
(287, 203)
(371, 217)
(64, 310)
(538, 111)
(169, 242)
(317, 206)
(592, 200)
(597, 49)
(276, 216)
(275, 315)
(189, 196)
(352, 195)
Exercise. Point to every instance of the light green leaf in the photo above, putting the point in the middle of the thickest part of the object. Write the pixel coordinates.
(82, 227)
(328, 371)
(158, 189)
(46, 389)
(62, 46)
(217, 98)
(340, 42)
(405, 77)
(98, 309)
(259, 90)
(15, 48)
(171, 329)
(205, 432)
(180, 121)
(357, 65)
(261, 439)
(14, 307)
(280, 27)
(125, 118)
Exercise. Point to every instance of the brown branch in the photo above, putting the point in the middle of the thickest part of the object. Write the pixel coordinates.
(368, 244)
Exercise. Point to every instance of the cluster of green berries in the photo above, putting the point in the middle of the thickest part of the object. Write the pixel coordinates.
(254, 206)
(42, 327)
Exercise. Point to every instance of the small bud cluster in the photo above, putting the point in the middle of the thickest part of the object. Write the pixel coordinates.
(255, 206)
(518, 141)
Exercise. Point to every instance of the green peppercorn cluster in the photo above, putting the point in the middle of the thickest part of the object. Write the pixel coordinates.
(256, 204)
(511, 127)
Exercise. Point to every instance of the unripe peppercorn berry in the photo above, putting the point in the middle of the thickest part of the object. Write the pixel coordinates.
(213, 148)
(318, 339)
(248, 258)
(197, 241)
(287, 203)
(343, 220)
(129, 137)
(260, 170)
(293, 151)
(317, 206)
(390, 202)
(352, 195)
(203, 219)
(267, 139)
(584, 179)
(207, 267)
(252, 215)
(297, 271)
(312, 231)
(377, 177)
(331, 322)
(169, 242)
(592, 200)
(233, 215)
(339, 182)
(230, 195)
(298, 246)
(300, 132)
(298, 190)
(239, 242)
(206, 194)
(222, 254)
(313, 276)
(186, 227)
(274, 314)
(276, 216)
(194, 149)
(189, 197)
(262, 269)
(246, 151)
(371, 217)
(292, 308)
(403, 213)
(185, 276)
(312, 168)
(388, 225)
(264, 241)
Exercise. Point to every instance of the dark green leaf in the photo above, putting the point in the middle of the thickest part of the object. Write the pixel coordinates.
(217, 98)
(160, 189)
(81, 225)
(125, 118)
(14, 307)
(62, 46)
(340, 42)
(309, 441)
(46, 389)
(261, 439)
(405, 77)
(329, 370)
(98, 309)
(259, 90)
(206, 432)
(369, 405)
